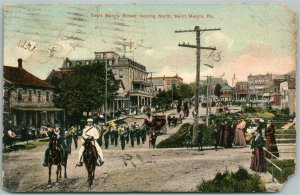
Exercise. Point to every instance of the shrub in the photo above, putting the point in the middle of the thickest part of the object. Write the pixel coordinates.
(241, 181)
(288, 167)
(177, 140)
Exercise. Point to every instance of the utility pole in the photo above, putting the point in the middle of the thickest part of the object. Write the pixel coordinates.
(105, 116)
(208, 98)
(209, 95)
(198, 47)
(207, 83)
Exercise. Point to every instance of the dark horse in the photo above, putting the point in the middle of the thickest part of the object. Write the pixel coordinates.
(55, 158)
(90, 160)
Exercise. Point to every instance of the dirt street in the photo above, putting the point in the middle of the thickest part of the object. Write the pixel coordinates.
(137, 169)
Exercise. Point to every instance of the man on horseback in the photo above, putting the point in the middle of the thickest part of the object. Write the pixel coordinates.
(56, 132)
(90, 131)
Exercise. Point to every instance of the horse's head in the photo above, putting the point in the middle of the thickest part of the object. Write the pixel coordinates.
(53, 144)
(88, 142)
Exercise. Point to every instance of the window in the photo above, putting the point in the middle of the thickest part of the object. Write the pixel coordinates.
(47, 96)
(39, 96)
(121, 73)
(29, 95)
(20, 95)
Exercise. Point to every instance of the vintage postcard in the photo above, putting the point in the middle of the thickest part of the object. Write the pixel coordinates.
(149, 97)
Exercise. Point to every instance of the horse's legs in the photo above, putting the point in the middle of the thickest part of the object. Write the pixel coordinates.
(49, 179)
(58, 171)
(65, 169)
(90, 177)
(93, 173)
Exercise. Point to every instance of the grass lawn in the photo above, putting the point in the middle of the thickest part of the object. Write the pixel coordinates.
(25, 146)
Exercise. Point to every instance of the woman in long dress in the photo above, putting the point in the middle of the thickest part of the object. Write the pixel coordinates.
(239, 138)
(258, 162)
(270, 140)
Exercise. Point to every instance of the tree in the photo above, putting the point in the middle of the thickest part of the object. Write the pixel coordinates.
(84, 90)
(162, 100)
(186, 90)
(217, 91)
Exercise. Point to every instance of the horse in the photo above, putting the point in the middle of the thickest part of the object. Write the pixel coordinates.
(90, 160)
(54, 158)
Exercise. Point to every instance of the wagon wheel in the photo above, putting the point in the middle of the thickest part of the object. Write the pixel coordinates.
(164, 129)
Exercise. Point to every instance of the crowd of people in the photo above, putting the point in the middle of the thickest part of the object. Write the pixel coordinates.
(258, 134)
(225, 134)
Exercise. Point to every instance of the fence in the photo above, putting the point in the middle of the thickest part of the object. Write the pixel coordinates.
(280, 167)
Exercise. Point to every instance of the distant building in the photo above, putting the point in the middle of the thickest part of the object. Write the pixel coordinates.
(288, 94)
(214, 81)
(275, 96)
(131, 76)
(241, 90)
(165, 83)
(134, 77)
(226, 93)
(28, 100)
(169, 82)
(259, 86)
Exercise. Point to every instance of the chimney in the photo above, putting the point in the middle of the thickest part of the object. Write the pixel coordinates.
(20, 63)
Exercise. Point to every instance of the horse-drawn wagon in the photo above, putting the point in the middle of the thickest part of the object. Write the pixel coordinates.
(174, 119)
(158, 123)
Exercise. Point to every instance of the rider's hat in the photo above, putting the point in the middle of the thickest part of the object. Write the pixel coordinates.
(89, 120)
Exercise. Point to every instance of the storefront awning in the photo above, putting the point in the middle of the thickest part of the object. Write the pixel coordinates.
(39, 109)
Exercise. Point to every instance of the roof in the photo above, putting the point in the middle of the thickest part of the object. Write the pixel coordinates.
(226, 88)
(124, 61)
(58, 74)
(164, 77)
(19, 76)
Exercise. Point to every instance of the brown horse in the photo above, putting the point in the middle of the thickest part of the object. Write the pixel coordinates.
(90, 160)
(55, 158)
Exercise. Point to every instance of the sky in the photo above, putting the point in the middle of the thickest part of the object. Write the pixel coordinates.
(254, 38)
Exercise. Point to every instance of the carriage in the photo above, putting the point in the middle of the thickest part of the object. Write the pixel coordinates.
(158, 123)
(174, 119)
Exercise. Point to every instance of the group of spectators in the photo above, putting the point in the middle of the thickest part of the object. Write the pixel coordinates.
(258, 134)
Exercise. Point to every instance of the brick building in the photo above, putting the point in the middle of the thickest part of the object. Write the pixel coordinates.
(165, 83)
